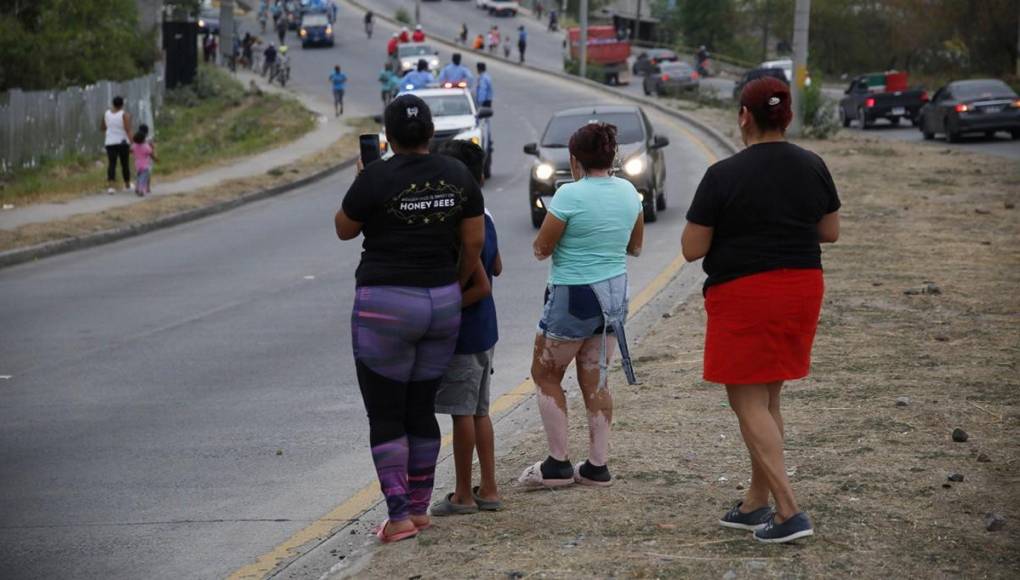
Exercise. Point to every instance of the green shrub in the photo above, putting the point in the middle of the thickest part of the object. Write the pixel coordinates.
(402, 16)
(818, 113)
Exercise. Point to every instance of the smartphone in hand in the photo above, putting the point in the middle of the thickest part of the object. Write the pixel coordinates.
(369, 143)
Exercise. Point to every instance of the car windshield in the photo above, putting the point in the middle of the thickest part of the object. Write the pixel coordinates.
(989, 89)
(676, 68)
(415, 50)
(316, 20)
(561, 127)
(448, 105)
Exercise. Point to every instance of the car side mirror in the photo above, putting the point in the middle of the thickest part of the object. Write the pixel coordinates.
(659, 141)
(484, 113)
(531, 149)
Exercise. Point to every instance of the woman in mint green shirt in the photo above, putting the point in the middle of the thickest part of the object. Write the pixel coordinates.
(591, 227)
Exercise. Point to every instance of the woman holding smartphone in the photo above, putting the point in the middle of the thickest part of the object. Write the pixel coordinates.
(421, 216)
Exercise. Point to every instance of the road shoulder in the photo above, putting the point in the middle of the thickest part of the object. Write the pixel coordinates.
(872, 473)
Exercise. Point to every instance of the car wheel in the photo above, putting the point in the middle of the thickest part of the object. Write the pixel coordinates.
(952, 131)
(660, 201)
(843, 118)
(651, 214)
(487, 169)
(862, 119)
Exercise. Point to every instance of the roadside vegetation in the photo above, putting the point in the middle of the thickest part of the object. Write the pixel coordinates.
(211, 121)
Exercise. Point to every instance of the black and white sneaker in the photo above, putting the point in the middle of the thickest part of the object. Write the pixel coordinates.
(796, 527)
(750, 521)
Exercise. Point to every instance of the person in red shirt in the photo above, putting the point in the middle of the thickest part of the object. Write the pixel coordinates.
(391, 46)
(419, 34)
(405, 36)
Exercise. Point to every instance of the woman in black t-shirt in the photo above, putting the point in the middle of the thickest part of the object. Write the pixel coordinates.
(757, 219)
(421, 217)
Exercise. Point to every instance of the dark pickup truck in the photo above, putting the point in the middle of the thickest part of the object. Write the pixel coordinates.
(866, 106)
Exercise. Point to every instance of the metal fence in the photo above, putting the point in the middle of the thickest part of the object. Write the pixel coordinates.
(37, 125)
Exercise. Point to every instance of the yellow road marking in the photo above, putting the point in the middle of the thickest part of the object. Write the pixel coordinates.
(367, 496)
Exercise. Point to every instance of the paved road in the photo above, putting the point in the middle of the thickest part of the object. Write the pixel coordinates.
(545, 50)
(181, 402)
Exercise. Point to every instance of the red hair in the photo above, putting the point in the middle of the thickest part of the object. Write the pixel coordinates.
(594, 145)
(768, 99)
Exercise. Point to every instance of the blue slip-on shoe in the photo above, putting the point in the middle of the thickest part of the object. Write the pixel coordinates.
(751, 521)
(796, 527)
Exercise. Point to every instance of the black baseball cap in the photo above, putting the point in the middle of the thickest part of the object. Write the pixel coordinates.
(408, 121)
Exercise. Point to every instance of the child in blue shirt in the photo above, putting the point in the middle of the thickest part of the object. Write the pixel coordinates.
(464, 391)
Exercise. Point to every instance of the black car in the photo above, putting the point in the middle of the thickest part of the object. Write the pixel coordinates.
(646, 61)
(671, 78)
(639, 160)
(973, 106)
(755, 74)
(315, 30)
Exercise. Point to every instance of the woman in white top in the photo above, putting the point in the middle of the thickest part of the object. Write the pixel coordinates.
(117, 126)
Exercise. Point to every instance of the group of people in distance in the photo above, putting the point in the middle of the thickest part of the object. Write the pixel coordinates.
(424, 324)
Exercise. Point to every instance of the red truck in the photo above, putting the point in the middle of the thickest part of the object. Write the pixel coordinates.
(605, 50)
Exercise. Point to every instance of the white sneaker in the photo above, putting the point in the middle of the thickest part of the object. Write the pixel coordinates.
(111, 190)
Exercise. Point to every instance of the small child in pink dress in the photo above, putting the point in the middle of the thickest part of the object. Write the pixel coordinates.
(145, 153)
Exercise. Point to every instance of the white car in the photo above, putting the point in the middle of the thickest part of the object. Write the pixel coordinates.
(498, 7)
(455, 116)
(408, 54)
(787, 65)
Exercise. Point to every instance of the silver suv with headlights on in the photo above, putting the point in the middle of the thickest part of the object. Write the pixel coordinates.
(639, 158)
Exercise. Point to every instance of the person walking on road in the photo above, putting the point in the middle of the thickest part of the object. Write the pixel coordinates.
(479, 43)
(339, 81)
(592, 225)
(522, 42)
(368, 23)
(464, 391)
(483, 88)
(116, 126)
(268, 59)
(757, 219)
(281, 30)
(421, 217)
(463, 36)
(389, 83)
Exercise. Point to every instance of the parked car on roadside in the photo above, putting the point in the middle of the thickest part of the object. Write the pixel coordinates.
(787, 65)
(971, 106)
(639, 158)
(671, 78)
(866, 101)
(647, 60)
(755, 74)
(209, 19)
(499, 7)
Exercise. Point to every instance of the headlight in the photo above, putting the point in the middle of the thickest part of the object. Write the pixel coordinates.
(434, 62)
(472, 135)
(329, 30)
(544, 171)
(304, 32)
(635, 166)
(201, 23)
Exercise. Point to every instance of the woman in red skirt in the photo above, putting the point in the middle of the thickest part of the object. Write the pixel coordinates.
(758, 219)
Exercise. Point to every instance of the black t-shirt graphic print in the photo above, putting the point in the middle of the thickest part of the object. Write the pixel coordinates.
(411, 207)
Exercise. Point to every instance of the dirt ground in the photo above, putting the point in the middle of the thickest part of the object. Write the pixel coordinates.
(871, 474)
(161, 206)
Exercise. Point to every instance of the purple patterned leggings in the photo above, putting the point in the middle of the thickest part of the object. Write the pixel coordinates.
(403, 340)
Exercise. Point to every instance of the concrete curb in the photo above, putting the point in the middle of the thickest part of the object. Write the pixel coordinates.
(716, 136)
(31, 253)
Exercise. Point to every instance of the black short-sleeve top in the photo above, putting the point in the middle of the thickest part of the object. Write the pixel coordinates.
(411, 207)
(764, 204)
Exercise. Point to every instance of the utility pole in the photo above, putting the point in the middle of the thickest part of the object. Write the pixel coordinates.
(637, 23)
(417, 12)
(583, 49)
(226, 30)
(765, 31)
(1018, 41)
(801, 20)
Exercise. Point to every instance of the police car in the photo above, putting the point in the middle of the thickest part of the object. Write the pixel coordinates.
(408, 54)
(455, 116)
